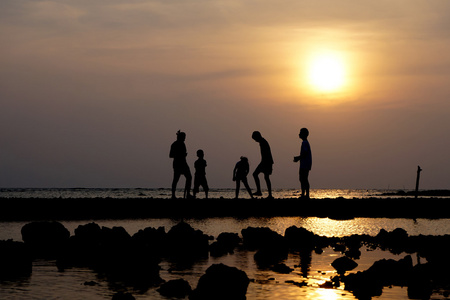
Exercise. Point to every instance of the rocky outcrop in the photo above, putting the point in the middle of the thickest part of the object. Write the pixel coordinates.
(343, 264)
(221, 282)
(225, 244)
(178, 288)
(185, 243)
(382, 273)
(15, 260)
(45, 239)
(272, 248)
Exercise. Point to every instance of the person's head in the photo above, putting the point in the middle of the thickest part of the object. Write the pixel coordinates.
(304, 133)
(200, 153)
(181, 136)
(244, 159)
(256, 135)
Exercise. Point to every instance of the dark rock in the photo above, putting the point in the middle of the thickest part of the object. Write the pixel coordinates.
(300, 238)
(230, 239)
(45, 239)
(184, 242)
(420, 283)
(363, 285)
(353, 253)
(116, 236)
(112, 254)
(271, 254)
(150, 237)
(272, 246)
(282, 268)
(327, 285)
(384, 272)
(15, 260)
(391, 271)
(221, 282)
(123, 296)
(343, 264)
(395, 241)
(88, 234)
(353, 244)
(178, 288)
(299, 284)
(226, 242)
(216, 249)
(83, 249)
(257, 237)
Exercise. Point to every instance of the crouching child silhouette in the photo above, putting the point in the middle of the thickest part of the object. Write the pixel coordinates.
(240, 174)
(200, 174)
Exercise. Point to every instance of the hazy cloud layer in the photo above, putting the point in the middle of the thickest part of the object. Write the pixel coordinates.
(92, 92)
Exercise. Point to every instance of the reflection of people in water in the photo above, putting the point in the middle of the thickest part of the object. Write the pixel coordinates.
(265, 166)
(240, 174)
(200, 174)
(180, 167)
(305, 159)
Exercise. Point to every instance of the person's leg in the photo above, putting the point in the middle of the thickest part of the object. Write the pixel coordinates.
(307, 183)
(187, 187)
(304, 182)
(238, 186)
(247, 187)
(176, 177)
(258, 184)
(269, 184)
(205, 187)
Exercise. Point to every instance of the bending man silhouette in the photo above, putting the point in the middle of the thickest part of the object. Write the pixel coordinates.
(180, 167)
(265, 166)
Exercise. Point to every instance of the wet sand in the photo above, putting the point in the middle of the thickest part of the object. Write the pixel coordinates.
(20, 209)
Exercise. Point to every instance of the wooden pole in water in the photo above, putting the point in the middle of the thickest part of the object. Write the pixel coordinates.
(417, 180)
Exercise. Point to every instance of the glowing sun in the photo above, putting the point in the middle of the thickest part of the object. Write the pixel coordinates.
(326, 72)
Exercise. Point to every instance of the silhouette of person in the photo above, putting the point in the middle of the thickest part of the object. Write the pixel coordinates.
(240, 174)
(305, 159)
(180, 167)
(265, 166)
(200, 174)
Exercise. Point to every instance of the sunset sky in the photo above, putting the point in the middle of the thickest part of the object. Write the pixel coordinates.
(92, 93)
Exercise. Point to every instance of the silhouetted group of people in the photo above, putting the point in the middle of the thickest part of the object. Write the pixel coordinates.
(180, 167)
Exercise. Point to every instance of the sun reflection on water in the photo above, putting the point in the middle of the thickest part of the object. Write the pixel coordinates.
(326, 294)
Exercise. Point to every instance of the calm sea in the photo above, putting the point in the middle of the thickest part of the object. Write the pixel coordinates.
(46, 282)
(227, 193)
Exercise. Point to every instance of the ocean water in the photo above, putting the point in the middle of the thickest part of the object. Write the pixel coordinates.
(227, 193)
(46, 282)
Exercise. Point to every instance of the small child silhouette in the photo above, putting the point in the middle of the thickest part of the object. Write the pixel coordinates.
(240, 174)
(200, 174)
(305, 159)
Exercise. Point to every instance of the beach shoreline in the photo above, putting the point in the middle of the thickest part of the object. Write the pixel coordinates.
(33, 209)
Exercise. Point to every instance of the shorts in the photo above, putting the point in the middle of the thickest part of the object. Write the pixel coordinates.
(303, 174)
(200, 181)
(181, 168)
(265, 168)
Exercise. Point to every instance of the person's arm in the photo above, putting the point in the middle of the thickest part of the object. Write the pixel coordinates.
(171, 153)
(297, 158)
(234, 173)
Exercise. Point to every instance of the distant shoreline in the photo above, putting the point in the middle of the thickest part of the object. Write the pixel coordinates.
(33, 209)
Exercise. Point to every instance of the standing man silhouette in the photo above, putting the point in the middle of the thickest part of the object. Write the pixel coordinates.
(180, 167)
(305, 159)
(265, 166)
